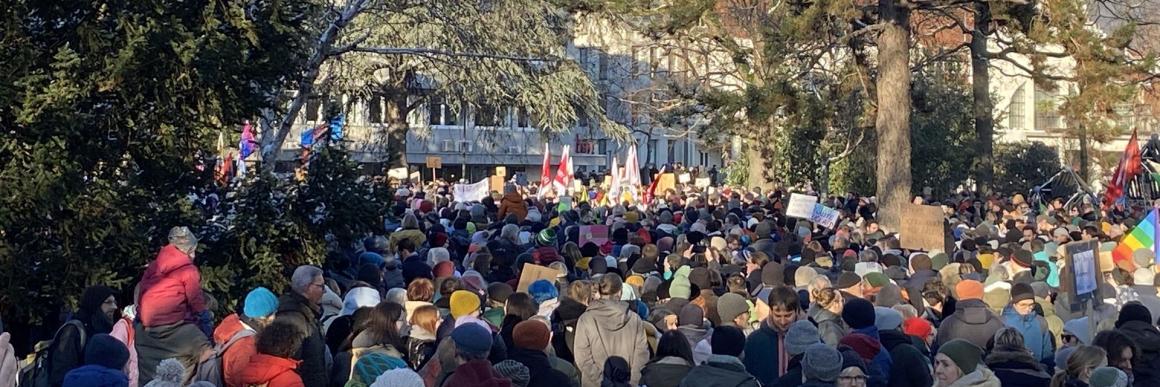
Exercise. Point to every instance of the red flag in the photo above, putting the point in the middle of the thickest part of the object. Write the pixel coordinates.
(1129, 167)
(652, 187)
(563, 173)
(545, 178)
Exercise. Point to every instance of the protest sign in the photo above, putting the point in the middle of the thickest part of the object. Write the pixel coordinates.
(532, 273)
(684, 178)
(495, 183)
(701, 182)
(397, 173)
(824, 216)
(925, 228)
(1083, 277)
(665, 182)
(434, 162)
(470, 192)
(595, 234)
(501, 171)
(801, 206)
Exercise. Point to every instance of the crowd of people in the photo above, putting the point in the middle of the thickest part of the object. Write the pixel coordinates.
(701, 287)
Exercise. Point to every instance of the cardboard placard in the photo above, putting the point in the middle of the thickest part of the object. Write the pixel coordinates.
(666, 182)
(701, 182)
(824, 216)
(495, 183)
(501, 171)
(594, 234)
(532, 273)
(801, 206)
(684, 178)
(1083, 276)
(434, 162)
(924, 228)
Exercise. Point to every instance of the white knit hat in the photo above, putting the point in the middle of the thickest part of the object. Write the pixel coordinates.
(399, 377)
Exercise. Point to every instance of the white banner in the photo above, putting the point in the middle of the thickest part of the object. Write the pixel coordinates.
(825, 216)
(801, 206)
(470, 192)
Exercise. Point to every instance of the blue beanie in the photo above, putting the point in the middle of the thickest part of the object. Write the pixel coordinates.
(471, 338)
(542, 290)
(371, 258)
(260, 303)
(106, 351)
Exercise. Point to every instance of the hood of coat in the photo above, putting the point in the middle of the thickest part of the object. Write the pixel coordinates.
(974, 312)
(170, 259)
(1012, 358)
(982, 377)
(513, 199)
(569, 309)
(263, 368)
(609, 314)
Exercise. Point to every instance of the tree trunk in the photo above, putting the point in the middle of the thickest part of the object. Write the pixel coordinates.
(759, 172)
(981, 91)
(893, 122)
(1084, 168)
(397, 128)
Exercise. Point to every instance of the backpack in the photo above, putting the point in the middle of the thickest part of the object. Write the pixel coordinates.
(37, 370)
(210, 369)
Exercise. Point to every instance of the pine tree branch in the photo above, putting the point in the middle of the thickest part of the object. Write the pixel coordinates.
(437, 52)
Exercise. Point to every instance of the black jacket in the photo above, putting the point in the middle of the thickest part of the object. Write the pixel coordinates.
(564, 320)
(542, 373)
(793, 373)
(1146, 363)
(664, 372)
(1017, 368)
(299, 312)
(972, 321)
(910, 368)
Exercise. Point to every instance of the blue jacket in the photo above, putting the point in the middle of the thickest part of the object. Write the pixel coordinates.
(1035, 333)
(761, 354)
(94, 375)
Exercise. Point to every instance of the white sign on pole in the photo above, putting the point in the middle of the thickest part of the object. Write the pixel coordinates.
(470, 192)
(825, 216)
(801, 206)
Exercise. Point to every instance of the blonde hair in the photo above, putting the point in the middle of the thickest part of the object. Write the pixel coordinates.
(826, 298)
(1081, 363)
(426, 317)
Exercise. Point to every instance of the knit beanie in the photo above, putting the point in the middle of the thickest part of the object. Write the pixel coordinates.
(917, 327)
(867, 347)
(858, 313)
(681, 287)
(731, 305)
(399, 377)
(1022, 291)
(1134, 311)
(371, 365)
(889, 296)
(938, 261)
(700, 277)
(801, 335)
(1079, 328)
(876, 279)
(848, 280)
(518, 373)
(691, 315)
(773, 273)
(499, 292)
(542, 290)
(531, 335)
(964, 354)
(821, 363)
(260, 303)
(920, 262)
(997, 298)
(887, 319)
(851, 358)
(471, 338)
(969, 290)
(463, 303)
(357, 298)
(106, 351)
(1108, 377)
(727, 340)
(1063, 354)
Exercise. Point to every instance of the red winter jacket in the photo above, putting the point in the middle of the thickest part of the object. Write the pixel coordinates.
(170, 290)
(235, 359)
(271, 371)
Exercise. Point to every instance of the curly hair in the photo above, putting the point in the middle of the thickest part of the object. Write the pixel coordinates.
(280, 339)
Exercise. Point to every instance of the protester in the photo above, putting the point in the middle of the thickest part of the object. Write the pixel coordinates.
(958, 364)
(1013, 363)
(174, 319)
(239, 331)
(273, 364)
(972, 320)
(608, 329)
(670, 364)
(300, 308)
(104, 358)
(723, 368)
(1080, 366)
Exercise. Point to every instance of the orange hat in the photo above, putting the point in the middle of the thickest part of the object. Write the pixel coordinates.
(969, 290)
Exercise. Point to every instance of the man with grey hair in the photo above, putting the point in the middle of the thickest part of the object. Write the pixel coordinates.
(300, 308)
(175, 322)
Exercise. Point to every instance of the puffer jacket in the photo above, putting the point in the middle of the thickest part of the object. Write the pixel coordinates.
(271, 371)
(1146, 363)
(982, 377)
(1015, 367)
(170, 290)
(96, 376)
(235, 359)
(514, 204)
(720, 371)
(607, 328)
(972, 321)
(664, 372)
(1036, 336)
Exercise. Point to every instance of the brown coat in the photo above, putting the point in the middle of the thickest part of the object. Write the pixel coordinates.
(513, 203)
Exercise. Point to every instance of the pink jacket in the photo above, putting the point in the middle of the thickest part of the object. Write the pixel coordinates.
(123, 331)
(170, 290)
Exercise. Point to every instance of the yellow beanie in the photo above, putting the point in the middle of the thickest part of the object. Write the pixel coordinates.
(463, 303)
(635, 280)
(986, 260)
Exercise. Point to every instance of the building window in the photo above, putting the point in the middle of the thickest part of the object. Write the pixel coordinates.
(603, 65)
(313, 108)
(652, 150)
(523, 120)
(375, 109)
(602, 146)
(1017, 111)
(435, 111)
(487, 115)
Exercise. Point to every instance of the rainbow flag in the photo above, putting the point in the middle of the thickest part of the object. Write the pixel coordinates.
(1141, 237)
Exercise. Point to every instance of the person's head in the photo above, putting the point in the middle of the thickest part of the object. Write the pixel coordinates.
(405, 247)
(464, 303)
(581, 291)
(1023, 299)
(280, 339)
(410, 222)
(1080, 364)
(853, 370)
(956, 358)
(784, 307)
(520, 305)
(106, 351)
(821, 363)
(673, 343)
(610, 286)
(307, 281)
(532, 334)
(437, 255)
(182, 238)
(383, 324)
(829, 299)
(472, 342)
(1120, 349)
(732, 308)
(99, 301)
(421, 289)
(728, 340)
(425, 317)
(1008, 339)
(259, 307)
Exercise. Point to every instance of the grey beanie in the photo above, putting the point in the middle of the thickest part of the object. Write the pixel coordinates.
(1108, 377)
(800, 336)
(821, 363)
(731, 305)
